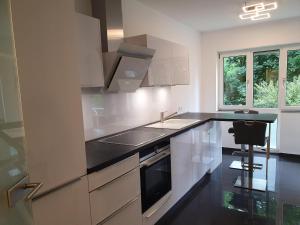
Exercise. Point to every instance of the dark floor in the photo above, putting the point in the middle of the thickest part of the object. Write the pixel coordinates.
(214, 200)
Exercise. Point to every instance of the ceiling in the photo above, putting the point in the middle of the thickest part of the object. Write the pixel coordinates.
(207, 15)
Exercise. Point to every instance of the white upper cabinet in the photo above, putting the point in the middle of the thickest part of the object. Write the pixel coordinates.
(160, 70)
(180, 63)
(89, 51)
(170, 64)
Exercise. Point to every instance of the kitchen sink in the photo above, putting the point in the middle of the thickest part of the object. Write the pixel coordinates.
(175, 124)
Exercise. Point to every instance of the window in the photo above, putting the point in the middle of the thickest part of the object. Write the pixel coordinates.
(268, 79)
(292, 97)
(234, 80)
(265, 79)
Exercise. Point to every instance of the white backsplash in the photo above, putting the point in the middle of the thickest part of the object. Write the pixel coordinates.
(108, 113)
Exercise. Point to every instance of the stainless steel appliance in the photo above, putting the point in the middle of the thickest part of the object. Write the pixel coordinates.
(133, 137)
(155, 170)
(125, 65)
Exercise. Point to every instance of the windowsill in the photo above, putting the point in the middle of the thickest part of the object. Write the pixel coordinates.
(286, 110)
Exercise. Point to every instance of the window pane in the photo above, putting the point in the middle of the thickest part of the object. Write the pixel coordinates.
(234, 68)
(293, 78)
(265, 79)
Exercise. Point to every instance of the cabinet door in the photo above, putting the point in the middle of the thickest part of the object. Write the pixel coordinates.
(215, 143)
(202, 155)
(89, 51)
(45, 37)
(160, 70)
(182, 151)
(180, 61)
(130, 214)
(66, 206)
(113, 196)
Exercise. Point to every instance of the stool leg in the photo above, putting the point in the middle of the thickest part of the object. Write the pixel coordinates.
(250, 164)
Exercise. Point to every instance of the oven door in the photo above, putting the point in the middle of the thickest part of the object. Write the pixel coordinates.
(155, 178)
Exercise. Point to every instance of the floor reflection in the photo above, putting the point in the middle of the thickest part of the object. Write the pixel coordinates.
(254, 204)
(215, 201)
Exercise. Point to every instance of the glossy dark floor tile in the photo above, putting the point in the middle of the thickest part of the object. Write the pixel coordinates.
(214, 201)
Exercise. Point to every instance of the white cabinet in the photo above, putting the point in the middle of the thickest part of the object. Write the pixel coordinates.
(45, 38)
(90, 63)
(180, 65)
(68, 205)
(115, 194)
(203, 154)
(182, 153)
(160, 70)
(215, 144)
(193, 154)
(111, 197)
(170, 64)
(128, 215)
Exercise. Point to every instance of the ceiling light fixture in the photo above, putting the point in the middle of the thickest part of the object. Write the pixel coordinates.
(258, 11)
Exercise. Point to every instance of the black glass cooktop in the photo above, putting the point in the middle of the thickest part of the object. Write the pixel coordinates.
(134, 138)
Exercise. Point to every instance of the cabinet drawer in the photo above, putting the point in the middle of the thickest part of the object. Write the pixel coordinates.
(130, 214)
(113, 196)
(110, 173)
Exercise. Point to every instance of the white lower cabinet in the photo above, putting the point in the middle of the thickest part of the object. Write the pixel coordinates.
(202, 155)
(215, 144)
(182, 152)
(128, 215)
(193, 154)
(114, 195)
(116, 201)
(68, 205)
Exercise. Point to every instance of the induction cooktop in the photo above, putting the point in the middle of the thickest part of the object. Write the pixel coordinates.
(134, 138)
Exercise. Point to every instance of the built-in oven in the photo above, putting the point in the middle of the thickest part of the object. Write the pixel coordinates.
(155, 170)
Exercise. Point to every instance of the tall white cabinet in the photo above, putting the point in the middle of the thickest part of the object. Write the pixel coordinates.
(45, 33)
(68, 205)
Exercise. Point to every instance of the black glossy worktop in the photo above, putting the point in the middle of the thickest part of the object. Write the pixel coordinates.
(101, 155)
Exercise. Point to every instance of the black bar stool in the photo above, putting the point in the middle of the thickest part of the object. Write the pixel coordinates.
(242, 165)
(250, 133)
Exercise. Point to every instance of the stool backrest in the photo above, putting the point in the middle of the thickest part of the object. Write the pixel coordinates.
(250, 133)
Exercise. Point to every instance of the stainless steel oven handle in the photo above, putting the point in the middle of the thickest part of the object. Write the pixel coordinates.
(155, 158)
(160, 205)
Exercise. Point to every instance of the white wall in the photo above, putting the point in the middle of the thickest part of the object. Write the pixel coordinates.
(109, 113)
(261, 35)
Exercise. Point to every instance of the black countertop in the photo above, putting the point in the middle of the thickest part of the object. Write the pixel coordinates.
(100, 155)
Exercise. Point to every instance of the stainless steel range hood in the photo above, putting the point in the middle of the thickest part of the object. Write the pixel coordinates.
(125, 65)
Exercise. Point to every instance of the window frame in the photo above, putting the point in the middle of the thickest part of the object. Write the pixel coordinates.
(283, 78)
(249, 78)
(252, 75)
(220, 88)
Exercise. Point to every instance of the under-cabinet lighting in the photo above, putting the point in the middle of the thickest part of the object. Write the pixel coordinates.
(258, 11)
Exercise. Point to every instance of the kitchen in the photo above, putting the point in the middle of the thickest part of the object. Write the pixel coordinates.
(88, 153)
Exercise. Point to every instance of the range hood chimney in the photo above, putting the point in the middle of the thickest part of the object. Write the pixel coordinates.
(125, 65)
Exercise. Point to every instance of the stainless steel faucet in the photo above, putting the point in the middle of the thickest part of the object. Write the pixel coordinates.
(163, 118)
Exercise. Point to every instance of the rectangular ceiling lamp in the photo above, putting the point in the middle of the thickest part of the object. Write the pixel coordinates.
(261, 16)
(253, 8)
